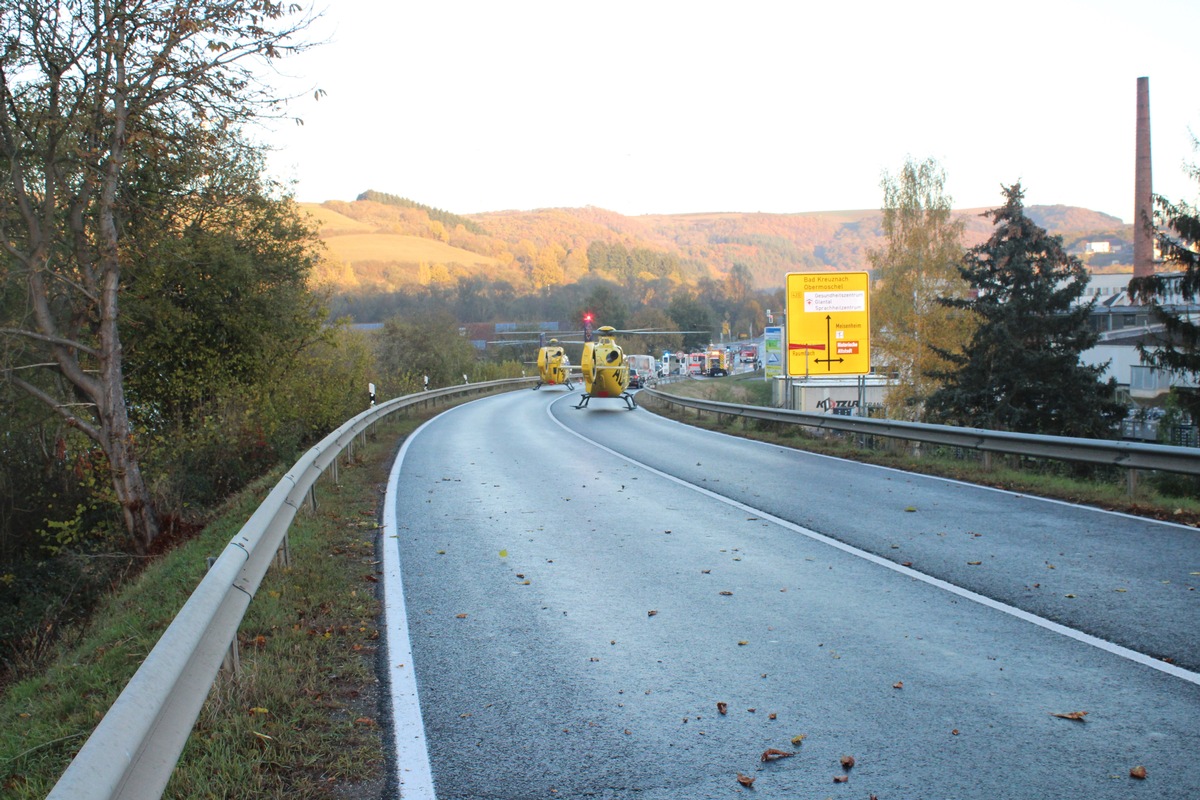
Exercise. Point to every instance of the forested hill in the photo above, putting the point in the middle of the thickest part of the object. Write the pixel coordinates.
(386, 243)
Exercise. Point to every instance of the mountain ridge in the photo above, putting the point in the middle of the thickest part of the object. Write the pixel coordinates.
(383, 242)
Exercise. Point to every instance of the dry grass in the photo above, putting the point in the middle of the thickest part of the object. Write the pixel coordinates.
(400, 249)
(332, 223)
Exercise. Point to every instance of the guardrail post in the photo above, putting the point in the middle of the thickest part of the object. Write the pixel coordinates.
(1131, 480)
(231, 664)
(312, 499)
(283, 556)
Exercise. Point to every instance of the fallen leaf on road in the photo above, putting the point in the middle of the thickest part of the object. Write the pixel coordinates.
(911, 509)
(847, 762)
(898, 685)
(743, 643)
(460, 616)
(651, 613)
(797, 739)
(1078, 716)
(722, 708)
(1138, 772)
(726, 594)
(745, 780)
(974, 563)
(840, 778)
(771, 754)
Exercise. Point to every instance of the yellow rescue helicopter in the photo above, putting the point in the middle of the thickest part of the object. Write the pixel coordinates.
(605, 373)
(603, 364)
(554, 368)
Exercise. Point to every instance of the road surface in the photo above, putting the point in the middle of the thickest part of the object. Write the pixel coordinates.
(605, 604)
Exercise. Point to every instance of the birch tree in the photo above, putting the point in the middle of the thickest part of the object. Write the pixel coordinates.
(91, 92)
(917, 265)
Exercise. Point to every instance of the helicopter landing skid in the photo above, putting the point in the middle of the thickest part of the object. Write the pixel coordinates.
(630, 403)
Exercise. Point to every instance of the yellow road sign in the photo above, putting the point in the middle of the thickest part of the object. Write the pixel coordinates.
(828, 324)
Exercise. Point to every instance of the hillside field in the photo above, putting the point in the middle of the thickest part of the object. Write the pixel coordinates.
(358, 247)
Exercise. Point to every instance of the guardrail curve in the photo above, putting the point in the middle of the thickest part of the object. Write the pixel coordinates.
(1130, 455)
(133, 750)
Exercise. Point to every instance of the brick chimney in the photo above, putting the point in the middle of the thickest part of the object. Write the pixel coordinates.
(1143, 187)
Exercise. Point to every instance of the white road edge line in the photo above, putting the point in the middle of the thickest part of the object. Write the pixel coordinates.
(1041, 622)
(414, 777)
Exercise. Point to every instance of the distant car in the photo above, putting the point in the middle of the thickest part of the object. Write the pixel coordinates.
(635, 379)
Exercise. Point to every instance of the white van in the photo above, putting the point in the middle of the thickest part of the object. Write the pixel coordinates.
(645, 365)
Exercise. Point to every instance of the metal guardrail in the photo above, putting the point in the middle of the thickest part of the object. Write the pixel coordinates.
(1130, 455)
(133, 751)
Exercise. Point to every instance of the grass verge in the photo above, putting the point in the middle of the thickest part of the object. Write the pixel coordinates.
(301, 720)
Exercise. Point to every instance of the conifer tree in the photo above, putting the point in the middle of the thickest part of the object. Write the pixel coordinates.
(1177, 348)
(1021, 370)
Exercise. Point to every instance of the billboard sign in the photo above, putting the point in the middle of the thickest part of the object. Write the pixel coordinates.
(828, 324)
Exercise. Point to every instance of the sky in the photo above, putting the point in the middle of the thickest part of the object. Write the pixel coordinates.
(683, 106)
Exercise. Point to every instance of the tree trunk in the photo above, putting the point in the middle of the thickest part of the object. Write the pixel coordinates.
(141, 519)
(116, 437)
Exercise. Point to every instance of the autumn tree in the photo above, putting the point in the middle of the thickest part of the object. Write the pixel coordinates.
(1177, 348)
(547, 266)
(654, 319)
(424, 344)
(691, 314)
(606, 304)
(90, 92)
(220, 296)
(1021, 369)
(739, 283)
(917, 266)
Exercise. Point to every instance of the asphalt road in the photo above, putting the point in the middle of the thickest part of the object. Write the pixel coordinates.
(584, 590)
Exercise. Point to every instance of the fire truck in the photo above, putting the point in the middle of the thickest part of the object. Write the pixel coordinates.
(716, 362)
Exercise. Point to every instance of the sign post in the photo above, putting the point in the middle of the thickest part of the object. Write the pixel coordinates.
(828, 324)
(772, 352)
